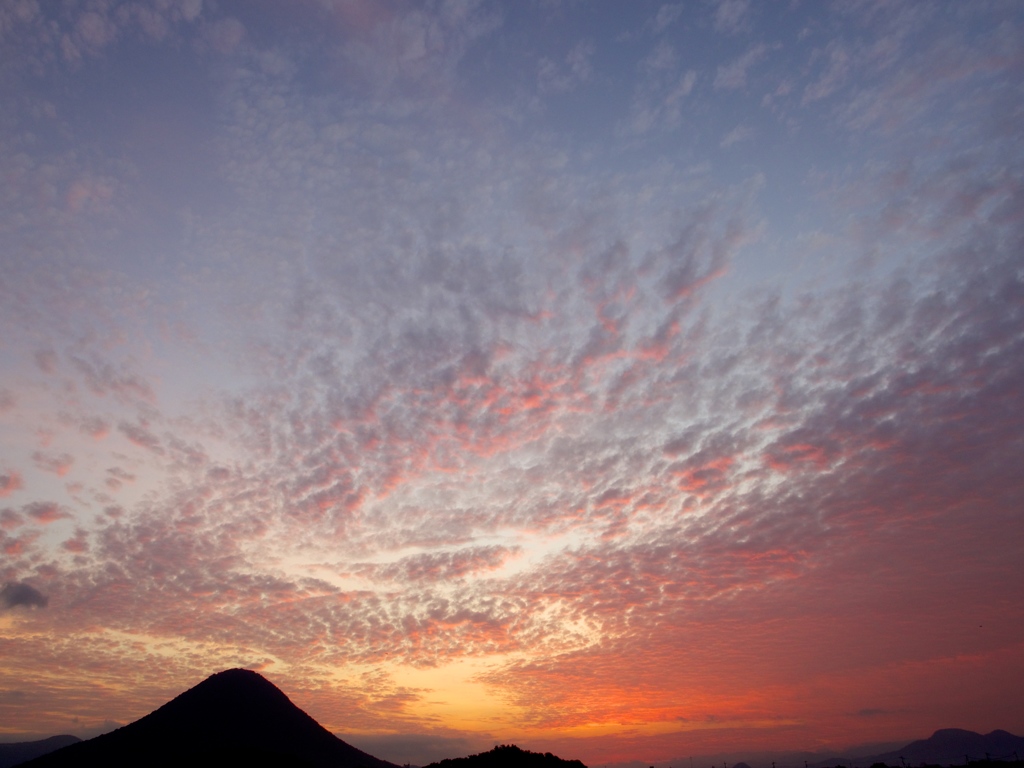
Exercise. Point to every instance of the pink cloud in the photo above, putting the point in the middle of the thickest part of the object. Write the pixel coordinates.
(59, 464)
(103, 377)
(117, 477)
(139, 434)
(77, 544)
(9, 519)
(45, 512)
(10, 481)
(95, 427)
(16, 546)
(699, 477)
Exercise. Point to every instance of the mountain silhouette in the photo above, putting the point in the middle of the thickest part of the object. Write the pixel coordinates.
(954, 746)
(233, 718)
(18, 752)
(947, 746)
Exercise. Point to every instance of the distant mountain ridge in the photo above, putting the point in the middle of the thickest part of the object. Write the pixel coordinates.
(236, 717)
(20, 751)
(954, 746)
(945, 747)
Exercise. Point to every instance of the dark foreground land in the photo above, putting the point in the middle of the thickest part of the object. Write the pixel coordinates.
(508, 756)
(18, 753)
(233, 718)
(238, 718)
(949, 747)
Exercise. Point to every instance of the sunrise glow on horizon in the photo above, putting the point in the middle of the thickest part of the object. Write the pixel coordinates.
(625, 380)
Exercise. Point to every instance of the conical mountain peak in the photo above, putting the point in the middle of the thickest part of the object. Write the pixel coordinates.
(234, 717)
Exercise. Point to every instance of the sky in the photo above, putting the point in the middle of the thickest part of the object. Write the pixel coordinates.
(626, 380)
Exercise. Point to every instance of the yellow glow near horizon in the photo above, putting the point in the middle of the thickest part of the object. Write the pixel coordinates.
(454, 695)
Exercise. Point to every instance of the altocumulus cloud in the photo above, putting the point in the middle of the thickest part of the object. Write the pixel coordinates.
(21, 595)
(431, 363)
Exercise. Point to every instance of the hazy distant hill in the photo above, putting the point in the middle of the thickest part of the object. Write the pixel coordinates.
(233, 718)
(945, 747)
(508, 756)
(952, 746)
(948, 746)
(19, 752)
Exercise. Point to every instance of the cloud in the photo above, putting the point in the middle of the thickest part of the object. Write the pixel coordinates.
(658, 98)
(554, 78)
(140, 435)
(46, 360)
(95, 427)
(224, 35)
(662, 57)
(736, 135)
(15, 595)
(95, 30)
(58, 464)
(731, 16)
(734, 75)
(45, 512)
(10, 482)
(10, 519)
(117, 477)
(438, 389)
(77, 544)
(666, 16)
(397, 53)
(832, 78)
(76, 34)
(102, 378)
(442, 566)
